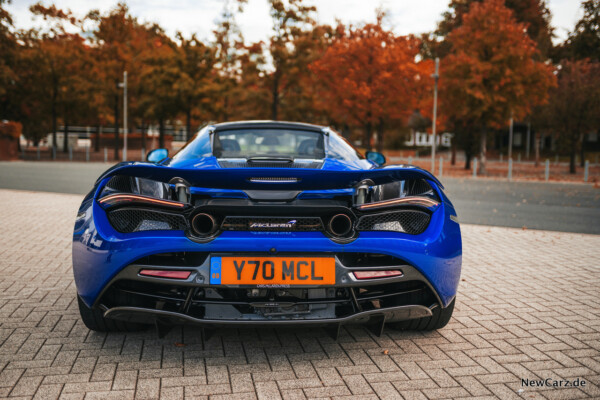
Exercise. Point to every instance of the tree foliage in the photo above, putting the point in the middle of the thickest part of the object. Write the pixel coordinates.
(492, 70)
(534, 14)
(574, 106)
(8, 47)
(370, 77)
(291, 20)
(364, 78)
(584, 40)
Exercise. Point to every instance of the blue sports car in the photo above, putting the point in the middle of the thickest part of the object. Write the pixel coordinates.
(266, 223)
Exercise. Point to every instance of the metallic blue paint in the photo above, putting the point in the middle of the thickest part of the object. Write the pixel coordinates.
(239, 178)
(100, 252)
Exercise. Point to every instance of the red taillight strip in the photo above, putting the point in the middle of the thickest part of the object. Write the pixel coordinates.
(390, 273)
(114, 199)
(408, 201)
(165, 273)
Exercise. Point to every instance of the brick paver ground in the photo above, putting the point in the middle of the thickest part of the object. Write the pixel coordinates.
(528, 308)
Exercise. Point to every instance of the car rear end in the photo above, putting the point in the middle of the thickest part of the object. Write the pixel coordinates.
(374, 248)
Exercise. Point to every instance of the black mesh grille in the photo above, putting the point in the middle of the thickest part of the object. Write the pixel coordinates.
(245, 164)
(127, 220)
(120, 183)
(417, 187)
(273, 224)
(409, 221)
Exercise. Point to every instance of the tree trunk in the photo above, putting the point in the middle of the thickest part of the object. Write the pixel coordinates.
(468, 157)
(117, 122)
(453, 158)
(161, 133)
(380, 137)
(188, 123)
(54, 117)
(482, 151)
(143, 137)
(582, 151)
(97, 141)
(224, 113)
(572, 168)
(275, 104)
(367, 138)
(66, 137)
(538, 137)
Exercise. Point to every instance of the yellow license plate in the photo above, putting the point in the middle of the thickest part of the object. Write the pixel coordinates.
(272, 271)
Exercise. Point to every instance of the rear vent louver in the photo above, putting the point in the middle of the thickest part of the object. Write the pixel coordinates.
(245, 164)
(273, 179)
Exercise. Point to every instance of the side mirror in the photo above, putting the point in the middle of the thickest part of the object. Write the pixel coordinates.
(157, 155)
(376, 157)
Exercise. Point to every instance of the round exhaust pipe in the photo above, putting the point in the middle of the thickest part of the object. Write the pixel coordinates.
(204, 224)
(340, 225)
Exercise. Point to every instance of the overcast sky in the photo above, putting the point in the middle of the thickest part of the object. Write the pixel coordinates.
(188, 16)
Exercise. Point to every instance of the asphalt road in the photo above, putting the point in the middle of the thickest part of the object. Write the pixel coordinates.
(565, 207)
(548, 206)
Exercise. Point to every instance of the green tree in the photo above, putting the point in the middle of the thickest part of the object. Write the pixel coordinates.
(301, 86)
(584, 41)
(291, 19)
(229, 47)
(250, 95)
(121, 44)
(194, 62)
(160, 98)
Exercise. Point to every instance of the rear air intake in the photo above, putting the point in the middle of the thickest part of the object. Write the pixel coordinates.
(127, 220)
(412, 222)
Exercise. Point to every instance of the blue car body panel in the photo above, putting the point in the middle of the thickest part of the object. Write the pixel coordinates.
(100, 252)
(200, 175)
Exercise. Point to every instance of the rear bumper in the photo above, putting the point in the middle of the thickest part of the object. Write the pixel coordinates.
(101, 254)
(147, 316)
(134, 297)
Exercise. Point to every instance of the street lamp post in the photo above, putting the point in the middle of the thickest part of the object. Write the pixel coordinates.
(436, 77)
(510, 137)
(124, 86)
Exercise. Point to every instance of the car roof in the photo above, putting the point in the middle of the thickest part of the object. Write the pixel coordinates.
(224, 126)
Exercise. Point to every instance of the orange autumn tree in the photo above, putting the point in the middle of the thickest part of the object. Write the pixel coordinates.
(368, 78)
(491, 72)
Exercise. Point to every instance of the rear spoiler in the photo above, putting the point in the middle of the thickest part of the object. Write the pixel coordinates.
(272, 178)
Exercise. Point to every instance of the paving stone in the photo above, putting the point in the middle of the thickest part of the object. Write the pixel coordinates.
(513, 320)
(148, 388)
(48, 392)
(26, 386)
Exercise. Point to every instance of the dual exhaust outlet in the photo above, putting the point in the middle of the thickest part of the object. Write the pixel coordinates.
(204, 225)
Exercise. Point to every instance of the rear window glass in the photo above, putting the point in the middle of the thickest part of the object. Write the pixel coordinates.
(268, 143)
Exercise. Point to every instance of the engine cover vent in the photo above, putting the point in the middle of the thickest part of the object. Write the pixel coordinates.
(296, 164)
